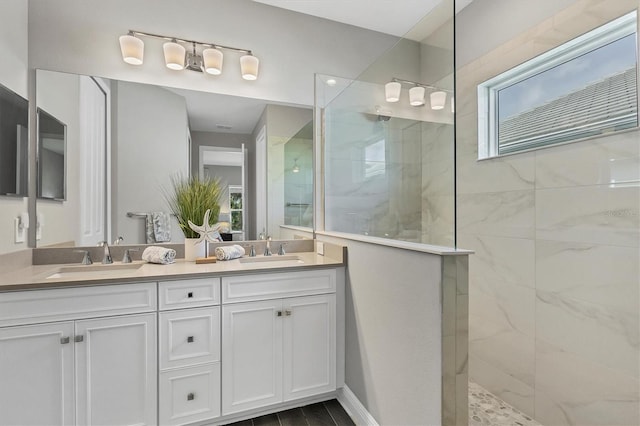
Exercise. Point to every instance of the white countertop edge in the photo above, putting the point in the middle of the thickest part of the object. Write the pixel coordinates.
(405, 245)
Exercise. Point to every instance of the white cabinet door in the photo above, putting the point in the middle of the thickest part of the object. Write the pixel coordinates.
(116, 370)
(251, 355)
(309, 346)
(36, 375)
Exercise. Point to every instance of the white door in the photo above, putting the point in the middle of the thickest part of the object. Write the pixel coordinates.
(251, 355)
(116, 370)
(93, 161)
(309, 341)
(36, 375)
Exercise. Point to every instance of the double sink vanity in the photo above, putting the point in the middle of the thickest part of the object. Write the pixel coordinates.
(176, 344)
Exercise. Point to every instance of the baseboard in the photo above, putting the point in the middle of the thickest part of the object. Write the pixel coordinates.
(354, 408)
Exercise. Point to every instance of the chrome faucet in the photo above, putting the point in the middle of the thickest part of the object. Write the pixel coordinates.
(107, 252)
(252, 251)
(118, 241)
(281, 251)
(267, 247)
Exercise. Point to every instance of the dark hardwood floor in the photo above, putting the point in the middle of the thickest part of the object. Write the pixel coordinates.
(328, 413)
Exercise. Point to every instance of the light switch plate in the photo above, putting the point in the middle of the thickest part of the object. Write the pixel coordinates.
(19, 232)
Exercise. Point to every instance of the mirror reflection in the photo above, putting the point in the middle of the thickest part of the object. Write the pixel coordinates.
(14, 135)
(125, 140)
(51, 156)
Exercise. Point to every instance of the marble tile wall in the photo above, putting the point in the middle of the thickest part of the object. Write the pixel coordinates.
(554, 281)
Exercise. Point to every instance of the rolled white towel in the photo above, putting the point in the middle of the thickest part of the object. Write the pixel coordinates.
(161, 255)
(229, 252)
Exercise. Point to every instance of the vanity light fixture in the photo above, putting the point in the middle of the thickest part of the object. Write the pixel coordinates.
(416, 93)
(176, 57)
(295, 168)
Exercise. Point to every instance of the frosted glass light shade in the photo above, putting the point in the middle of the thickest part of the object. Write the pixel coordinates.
(132, 49)
(174, 55)
(438, 99)
(416, 96)
(249, 67)
(212, 61)
(392, 91)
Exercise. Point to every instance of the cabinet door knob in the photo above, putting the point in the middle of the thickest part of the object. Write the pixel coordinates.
(190, 339)
(190, 295)
(78, 338)
(64, 340)
(191, 396)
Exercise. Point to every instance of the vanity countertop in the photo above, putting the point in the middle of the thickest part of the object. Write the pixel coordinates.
(50, 276)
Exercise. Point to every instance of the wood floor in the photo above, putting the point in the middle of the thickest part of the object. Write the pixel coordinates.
(328, 413)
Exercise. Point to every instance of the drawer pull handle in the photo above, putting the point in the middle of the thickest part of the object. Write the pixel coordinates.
(78, 338)
(279, 313)
(191, 396)
(190, 339)
(190, 295)
(64, 340)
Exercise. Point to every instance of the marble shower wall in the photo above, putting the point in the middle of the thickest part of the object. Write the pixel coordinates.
(554, 281)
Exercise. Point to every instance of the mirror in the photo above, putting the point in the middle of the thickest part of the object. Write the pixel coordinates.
(125, 140)
(14, 135)
(52, 148)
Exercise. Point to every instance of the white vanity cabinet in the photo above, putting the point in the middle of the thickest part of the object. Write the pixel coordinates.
(189, 348)
(277, 348)
(90, 359)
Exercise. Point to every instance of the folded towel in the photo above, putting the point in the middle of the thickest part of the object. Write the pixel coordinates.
(158, 227)
(155, 254)
(229, 252)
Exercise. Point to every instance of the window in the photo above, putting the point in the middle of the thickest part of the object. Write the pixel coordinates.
(235, 207)
(374, 159)
(583, 88)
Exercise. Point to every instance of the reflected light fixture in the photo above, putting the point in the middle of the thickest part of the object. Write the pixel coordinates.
(208, 60)
(438, 100)
(417, 92)
(295, 168)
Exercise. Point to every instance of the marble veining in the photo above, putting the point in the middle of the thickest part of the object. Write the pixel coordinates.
(485, 409)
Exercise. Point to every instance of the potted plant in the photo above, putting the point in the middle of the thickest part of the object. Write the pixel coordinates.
(189, 198)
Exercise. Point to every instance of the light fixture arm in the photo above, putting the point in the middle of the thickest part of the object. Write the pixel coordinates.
(416, 84)
(191, 42)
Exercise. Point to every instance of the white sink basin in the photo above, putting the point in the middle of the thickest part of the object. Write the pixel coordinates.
(291, 258)
(114, 270)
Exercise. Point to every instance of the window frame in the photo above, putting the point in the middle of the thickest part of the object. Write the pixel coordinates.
(488, 119)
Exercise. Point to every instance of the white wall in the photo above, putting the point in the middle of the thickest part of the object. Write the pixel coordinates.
(152, 146)
(393, 335)
(13, 74)
(81, 36)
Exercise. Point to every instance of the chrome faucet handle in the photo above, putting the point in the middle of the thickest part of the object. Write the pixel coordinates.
(252, 251)
(127, 255)
(267, 247)
(281, 251)
(118, 241)
(107, 259)
(86, 259)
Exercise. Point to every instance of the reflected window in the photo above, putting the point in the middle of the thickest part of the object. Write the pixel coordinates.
(374, 159)
(583, 88)
(235, 207)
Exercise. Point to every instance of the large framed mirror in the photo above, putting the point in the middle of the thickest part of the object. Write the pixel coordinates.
(52, 149)
(124, 142)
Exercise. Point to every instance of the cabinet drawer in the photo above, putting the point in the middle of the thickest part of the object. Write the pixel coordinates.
(189, 337)
(36, 306)
(189, 293)
(190, 394)
(270, 286)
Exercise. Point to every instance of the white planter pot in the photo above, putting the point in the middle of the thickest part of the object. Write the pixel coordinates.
(192, 250)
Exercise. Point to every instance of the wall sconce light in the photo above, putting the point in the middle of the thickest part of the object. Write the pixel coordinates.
(437, 98)
(177, 58)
